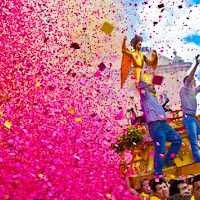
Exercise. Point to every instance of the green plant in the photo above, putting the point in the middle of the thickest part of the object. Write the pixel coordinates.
(129, 140)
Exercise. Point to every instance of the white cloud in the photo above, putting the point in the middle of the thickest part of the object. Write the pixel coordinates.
(173, 26)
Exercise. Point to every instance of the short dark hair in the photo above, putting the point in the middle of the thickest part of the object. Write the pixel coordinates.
(196, 178)
(171, 181)
(154, 183)
(142, 182)
(135, 40)
(185, 78)
(179, 197)
(174, 187)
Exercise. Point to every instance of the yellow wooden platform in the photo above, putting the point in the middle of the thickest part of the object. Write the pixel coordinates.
(182, 171)
(142, 163)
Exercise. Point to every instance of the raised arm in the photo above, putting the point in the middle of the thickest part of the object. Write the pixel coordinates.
(142, 86)
(133, 191)
(153, 60)
(128, 185)
(124, 50)
(191, 75)
(141, 76)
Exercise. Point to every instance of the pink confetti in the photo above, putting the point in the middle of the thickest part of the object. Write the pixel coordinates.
(161, 155)
(173, 155)
(157, 143)
(151, 153)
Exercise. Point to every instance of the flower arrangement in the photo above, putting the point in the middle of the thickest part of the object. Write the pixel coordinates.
(130, 139)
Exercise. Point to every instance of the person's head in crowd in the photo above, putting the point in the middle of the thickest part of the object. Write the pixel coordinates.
(179, 197)
(171, 181)
(179, 187)
(151, 88)
(189, 179)
(196, 187)
(145, 186)
(159, 188)
(193, 80)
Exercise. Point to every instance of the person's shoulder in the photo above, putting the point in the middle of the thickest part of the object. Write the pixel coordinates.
(154, 198)
(182, 88)
(192, 198)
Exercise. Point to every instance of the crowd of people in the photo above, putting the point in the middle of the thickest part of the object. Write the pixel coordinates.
(174, 189)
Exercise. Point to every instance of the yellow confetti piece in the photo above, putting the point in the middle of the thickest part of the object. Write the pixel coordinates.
(40, 175)
(21, 41)
(108, 195)
(107, 28)
(71, 111)
(4, 97)
(7, 124)
(38, 84)
(162, 10)
(64, 118)
(78, 119)
(6, 197)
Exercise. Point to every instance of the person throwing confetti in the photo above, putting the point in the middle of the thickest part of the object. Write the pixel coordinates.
(189, 108)
(159, 130)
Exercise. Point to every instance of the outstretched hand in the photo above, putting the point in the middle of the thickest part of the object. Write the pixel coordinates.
(197, 60)
(125, 38)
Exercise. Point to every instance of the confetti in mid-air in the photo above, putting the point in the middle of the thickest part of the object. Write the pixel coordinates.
(157, 80)
(61, 105)
(107, 28)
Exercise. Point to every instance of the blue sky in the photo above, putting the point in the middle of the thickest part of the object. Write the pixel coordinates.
(133, 15)
(177, 29)
(193, 38)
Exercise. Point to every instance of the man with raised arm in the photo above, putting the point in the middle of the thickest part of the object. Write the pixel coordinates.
(159, 130)
(189, 108)
(146, 191)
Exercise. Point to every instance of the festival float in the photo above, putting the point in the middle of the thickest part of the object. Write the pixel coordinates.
(136, 149)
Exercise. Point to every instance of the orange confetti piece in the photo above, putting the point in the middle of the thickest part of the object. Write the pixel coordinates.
(97, 27)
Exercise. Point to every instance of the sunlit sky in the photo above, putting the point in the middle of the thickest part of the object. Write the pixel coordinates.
(175, 26)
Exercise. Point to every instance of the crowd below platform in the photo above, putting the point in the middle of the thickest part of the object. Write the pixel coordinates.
(163, 189)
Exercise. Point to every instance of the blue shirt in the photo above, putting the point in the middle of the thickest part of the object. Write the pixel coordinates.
(188, 99)
(153, 111)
